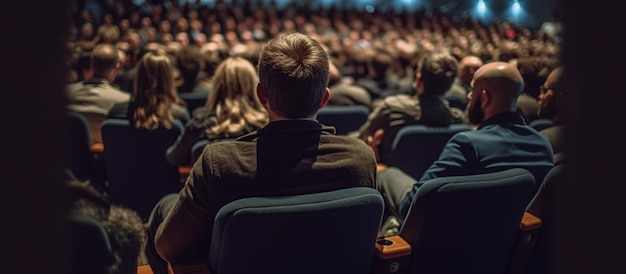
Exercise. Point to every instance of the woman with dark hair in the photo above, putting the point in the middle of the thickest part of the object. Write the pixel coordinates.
(231, 110)
(154, 102)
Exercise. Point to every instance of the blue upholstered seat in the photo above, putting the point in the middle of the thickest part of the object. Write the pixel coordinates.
(416, 147)
(329, 232)
(137, 172)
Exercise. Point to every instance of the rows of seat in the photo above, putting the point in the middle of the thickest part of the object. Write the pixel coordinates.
(137, 175)
(460, 224)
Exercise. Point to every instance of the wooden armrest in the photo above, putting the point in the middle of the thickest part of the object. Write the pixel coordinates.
(529, 222)
(392, 255)
(144, 269)
(97, 148)
(195, 268)
(184, 170)
(380, 166)
(524, 244)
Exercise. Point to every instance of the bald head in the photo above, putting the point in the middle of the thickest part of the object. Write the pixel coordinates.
(105, 60)
(500, 78)
(495, 89)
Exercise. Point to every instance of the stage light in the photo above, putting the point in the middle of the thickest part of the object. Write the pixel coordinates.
(481, 6)
(516, 6)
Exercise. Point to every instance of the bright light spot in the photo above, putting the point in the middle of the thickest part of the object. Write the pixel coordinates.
(481, 6)
(369, 8)
(516, 7)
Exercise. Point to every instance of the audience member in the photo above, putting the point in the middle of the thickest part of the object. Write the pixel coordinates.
(462, 83)
(293, 154)
(231, 111)
(377, 66)
(94, 97)
(502, 141)
(189, 63)
(551, 102)
(343, 92)
(155, 102)
(124, 227)
(534, 70)
(434, 75)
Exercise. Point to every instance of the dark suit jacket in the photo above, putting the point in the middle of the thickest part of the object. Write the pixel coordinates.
(501, 142)
(284, 158)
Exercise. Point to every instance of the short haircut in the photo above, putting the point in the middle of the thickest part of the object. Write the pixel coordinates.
(437, 71)
(293, 71)
(104, 58)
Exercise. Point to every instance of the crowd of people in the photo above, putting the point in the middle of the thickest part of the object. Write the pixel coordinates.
(267, 72)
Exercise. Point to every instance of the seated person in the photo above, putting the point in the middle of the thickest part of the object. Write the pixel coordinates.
(502, 141)
(435, 74)
(154, 102)
(293, 154)
(231, 111)
(551, 107)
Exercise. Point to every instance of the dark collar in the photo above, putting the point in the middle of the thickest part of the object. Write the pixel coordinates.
(504, 118)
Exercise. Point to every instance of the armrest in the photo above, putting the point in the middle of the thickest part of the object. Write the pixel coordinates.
(524, 243)
(195, 268)
(392, 255)
(184, 171)
(97, 148)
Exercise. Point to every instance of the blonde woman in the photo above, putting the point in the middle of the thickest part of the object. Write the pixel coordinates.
(154, 102)
(231, 110)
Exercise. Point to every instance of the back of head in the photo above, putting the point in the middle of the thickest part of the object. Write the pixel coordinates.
(233, 98)
(437, 71)
(189, 62)
(126, 233)
(380, 63)
(154, 92)
(534, 70)
(104, 58)
(502, 81)
(467, 67)
(293, 71)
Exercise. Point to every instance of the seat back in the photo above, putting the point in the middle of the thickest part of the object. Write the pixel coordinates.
(137, 172)
(79, 158)
(90, 245)
(328, 232)
(95, 124)
(543, 206)
(466, 224)
(345, 119)
(416, 147)
(194, 100)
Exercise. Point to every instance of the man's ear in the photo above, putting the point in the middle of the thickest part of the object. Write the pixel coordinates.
(486, 98)
(260, 94)
(325, 98)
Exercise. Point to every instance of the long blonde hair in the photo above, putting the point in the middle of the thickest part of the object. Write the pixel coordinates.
(234, 99)
(154, 92)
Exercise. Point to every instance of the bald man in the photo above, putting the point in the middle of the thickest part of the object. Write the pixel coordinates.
(502, 140)
(96, 95)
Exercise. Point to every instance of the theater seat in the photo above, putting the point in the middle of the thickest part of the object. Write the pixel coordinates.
(345, 119)
(137, 172)
(330, 232)
(416, 147)
(459, 224)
